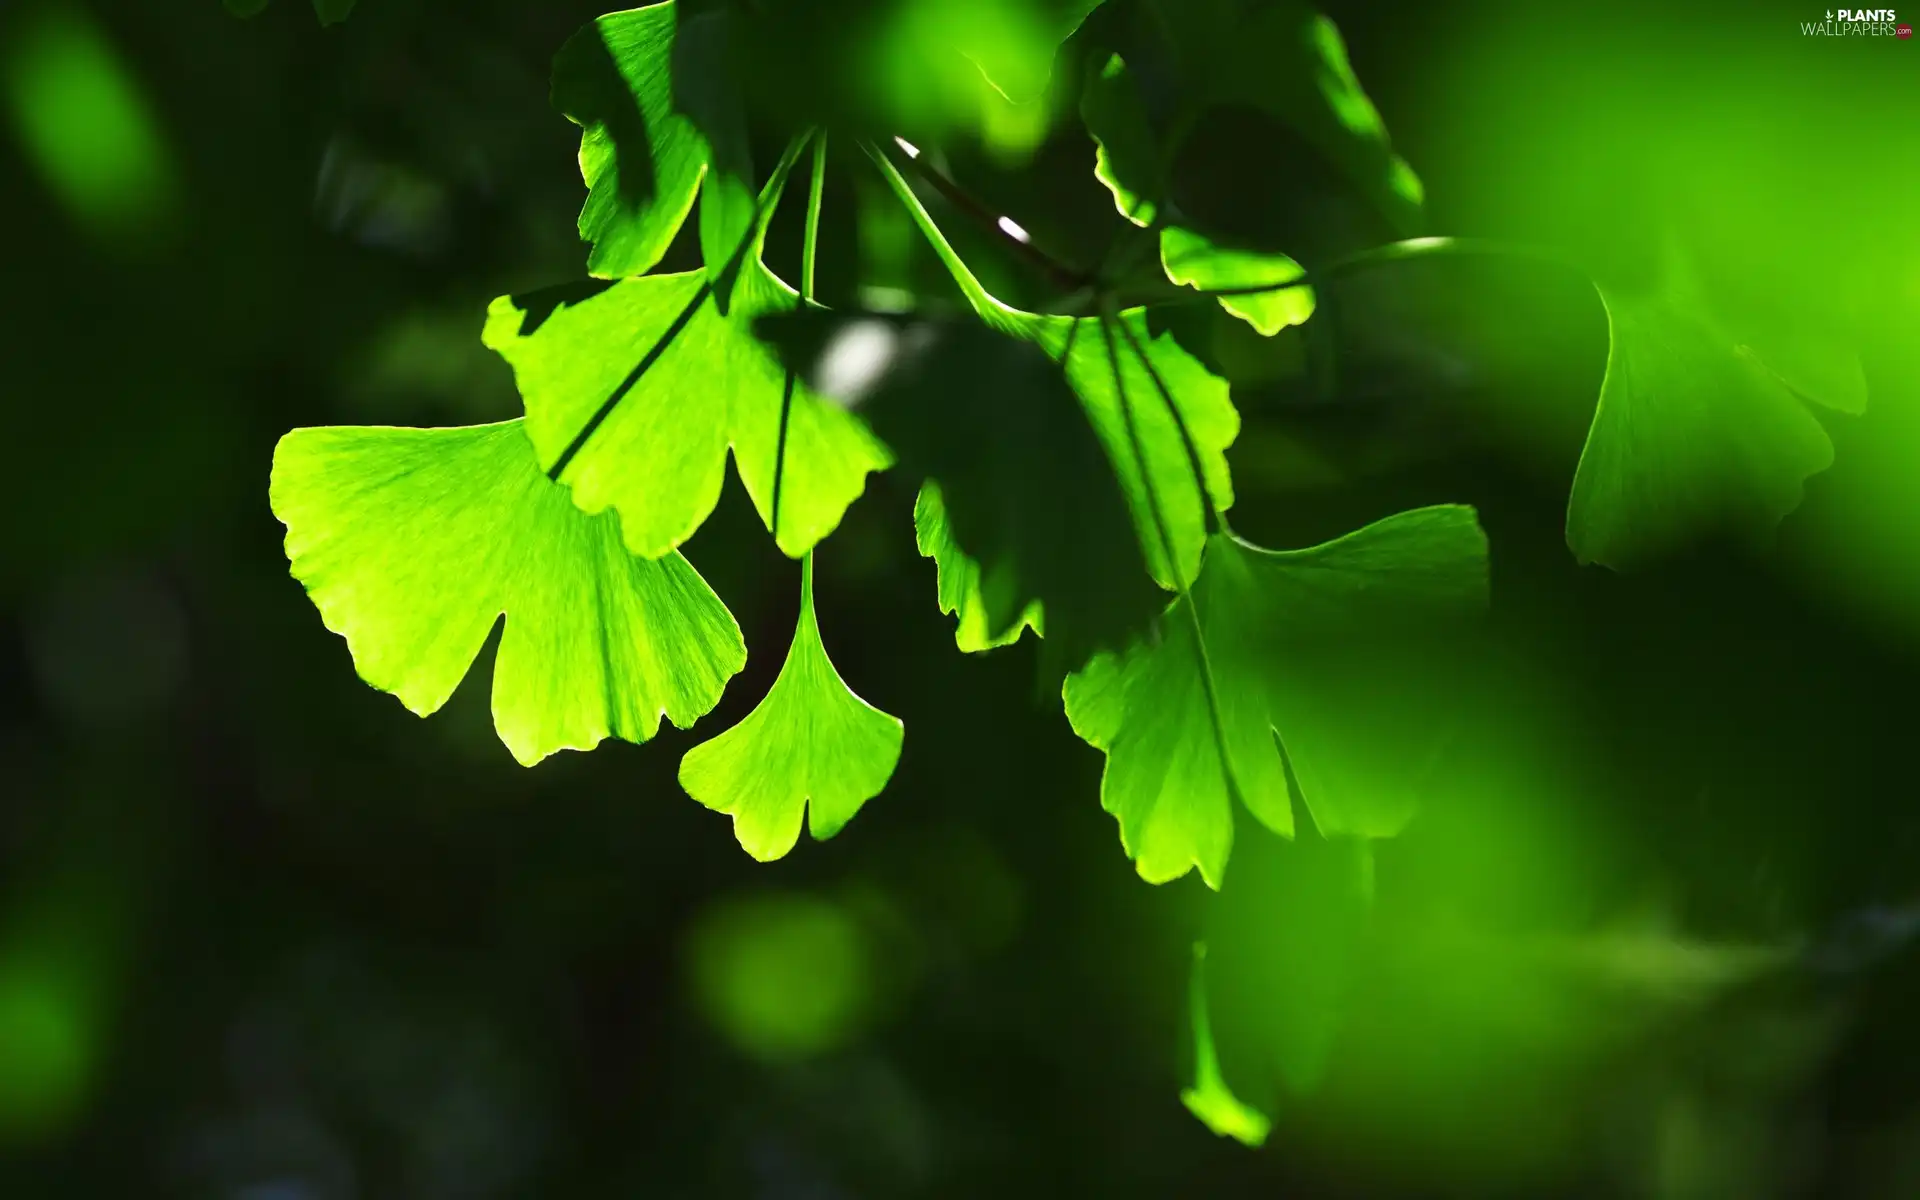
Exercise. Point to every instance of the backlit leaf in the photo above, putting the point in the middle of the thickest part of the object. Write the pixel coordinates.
(811, 746)
(641, 157)
(1698, 430)
(1191, 259)
(958, 580)
(638, 391)
(413, 542)
(1314, 646)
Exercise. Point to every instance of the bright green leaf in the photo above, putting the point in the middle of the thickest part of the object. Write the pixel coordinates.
(660, 384)
(412, 542)
(958, 579)
(1696, 431)
(1027, 489)
(641, 157)
(1191, 259)
(1317, 646)
(810, 746)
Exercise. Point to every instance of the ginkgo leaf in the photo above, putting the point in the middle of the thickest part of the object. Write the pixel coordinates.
(1126, 156)
(1209, 1098)
(641, 157)
(1697, 430)
(706, 88)
(1319, 646)
(1164, 420)
(809, 746)
(413, 542)
(1191, 259)
(635, 393)
(958, 580)
(1027, 490)
(1283, 940)
(1278, 58)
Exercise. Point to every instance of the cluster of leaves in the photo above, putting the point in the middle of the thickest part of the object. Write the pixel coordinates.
(1072, 464)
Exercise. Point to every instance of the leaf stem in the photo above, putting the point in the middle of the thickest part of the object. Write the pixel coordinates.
(815, 192)
(1058, 272)
(809, 248)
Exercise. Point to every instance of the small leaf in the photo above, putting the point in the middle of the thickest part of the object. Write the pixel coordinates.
(642, 159)
(1317, 646)
(412, 542)
(1695, 432)
(636, 392)
(958, 580)
(1126, 158)
(1210, 1099)
(1191, 259)
(811, 745)
(1283, 940)
(1026, 486)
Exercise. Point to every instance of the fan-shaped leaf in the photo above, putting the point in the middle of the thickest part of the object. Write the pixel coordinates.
(1698, 430)
(1316, 646)
(641, 157)
(958, 580)
(412, 542)
(810, 746)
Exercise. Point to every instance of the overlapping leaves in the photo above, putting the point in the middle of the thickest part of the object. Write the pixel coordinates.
(1311, 647)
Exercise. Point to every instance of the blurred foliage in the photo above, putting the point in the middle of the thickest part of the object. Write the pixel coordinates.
(263, 932)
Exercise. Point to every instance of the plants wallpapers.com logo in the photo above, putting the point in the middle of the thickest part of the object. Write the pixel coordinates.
(1857, 22)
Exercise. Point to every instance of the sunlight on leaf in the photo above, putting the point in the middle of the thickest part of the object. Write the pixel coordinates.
(1313, 645)
(1124, 148)
(958, 580)
(1192, 260)
(642, 159)
(810, 746)
(679, 384)
(412, 542)
(1697, 432)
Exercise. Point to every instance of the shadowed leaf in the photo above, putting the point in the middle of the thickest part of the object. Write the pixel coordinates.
(1025, 485)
